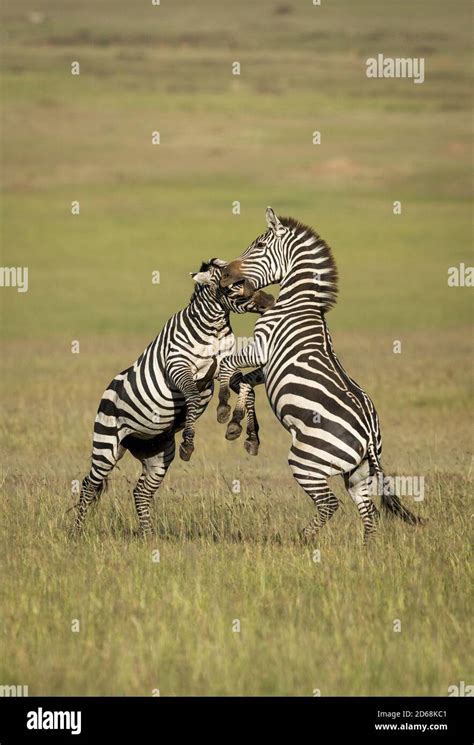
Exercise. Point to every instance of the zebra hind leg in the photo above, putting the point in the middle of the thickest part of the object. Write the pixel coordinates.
(104, 460)
(154, 471)
(89, 494)
(316, 486)
(357, 484)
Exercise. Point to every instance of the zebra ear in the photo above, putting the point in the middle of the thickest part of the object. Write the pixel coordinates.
(273, 222)
(218, 262)
(201, 278)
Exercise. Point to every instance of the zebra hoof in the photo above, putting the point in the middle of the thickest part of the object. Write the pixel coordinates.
(251, 447)
(234, 430)
(223, 413)
(186, 449)
(369, 538)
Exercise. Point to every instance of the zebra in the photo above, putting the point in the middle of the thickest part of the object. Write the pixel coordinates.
(166, 390)
(333, 422)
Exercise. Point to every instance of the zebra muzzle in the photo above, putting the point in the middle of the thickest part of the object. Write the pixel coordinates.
(233, 279)
(263, 301)
(241, 287)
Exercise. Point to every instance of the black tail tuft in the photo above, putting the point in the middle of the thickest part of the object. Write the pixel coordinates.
(391, 503)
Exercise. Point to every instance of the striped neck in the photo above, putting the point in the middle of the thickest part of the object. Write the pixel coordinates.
(309, 271)
(205, 308)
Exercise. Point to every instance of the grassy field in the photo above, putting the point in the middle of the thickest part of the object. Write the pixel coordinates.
(304, 625)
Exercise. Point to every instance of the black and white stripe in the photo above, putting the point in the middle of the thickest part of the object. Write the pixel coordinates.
(166, 390)
(332, 421)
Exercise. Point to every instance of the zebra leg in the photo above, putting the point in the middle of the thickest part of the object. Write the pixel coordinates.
(252, 443)
(223, 408)
(316, 486)
(181, 376)
(235, 384)
(103, 461)
(245, 404)
(357, 484)
(244, 386)
(234, 428)
(154, 471)
(253, 355)
(89, 494)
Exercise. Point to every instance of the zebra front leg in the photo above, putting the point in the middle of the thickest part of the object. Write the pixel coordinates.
(240, 386)
(182, 378)
(245, 405)
(235, 384)
(252, 379)
(193, 401)
(244, 385)
(154, 471)
(223, 408)
(234, 428)
(252, 443)
(253, 355)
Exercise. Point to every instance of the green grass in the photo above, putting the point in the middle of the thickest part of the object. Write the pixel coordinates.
(226, 556)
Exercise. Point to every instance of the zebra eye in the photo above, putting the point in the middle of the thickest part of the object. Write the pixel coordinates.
(261, 244)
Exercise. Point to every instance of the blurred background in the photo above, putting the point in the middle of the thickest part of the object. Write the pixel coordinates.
(146, 207)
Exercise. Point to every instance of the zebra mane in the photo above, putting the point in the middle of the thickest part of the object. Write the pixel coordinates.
(323, 251)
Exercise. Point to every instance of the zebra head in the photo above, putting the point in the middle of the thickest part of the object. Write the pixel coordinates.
(210, 276)
(262, 262)
(288, 253)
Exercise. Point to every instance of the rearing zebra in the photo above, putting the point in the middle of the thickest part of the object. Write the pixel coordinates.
(166, 390)
(333, 422)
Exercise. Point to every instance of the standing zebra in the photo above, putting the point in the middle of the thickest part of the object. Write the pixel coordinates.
(333, 422)
(166, 390)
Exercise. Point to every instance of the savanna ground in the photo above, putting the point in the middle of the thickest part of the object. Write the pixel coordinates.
(168, 625)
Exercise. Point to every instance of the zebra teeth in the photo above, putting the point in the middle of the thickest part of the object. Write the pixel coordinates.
(237, 287)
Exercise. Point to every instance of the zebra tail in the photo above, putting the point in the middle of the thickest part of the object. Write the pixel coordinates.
(390, 501)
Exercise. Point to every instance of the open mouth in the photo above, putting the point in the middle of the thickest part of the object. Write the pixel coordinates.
(237, 288)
